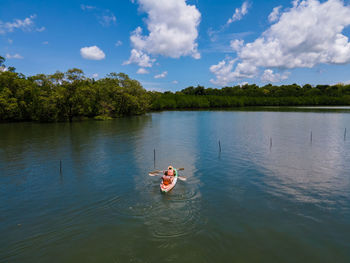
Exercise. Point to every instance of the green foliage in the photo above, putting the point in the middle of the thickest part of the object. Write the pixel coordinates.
(252, 95)
(68, 96)
(102, 118)
(2, 60)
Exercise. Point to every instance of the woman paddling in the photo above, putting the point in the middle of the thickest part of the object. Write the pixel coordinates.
(168, 176)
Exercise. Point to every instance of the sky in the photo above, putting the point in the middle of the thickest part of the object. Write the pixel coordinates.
(173, 44)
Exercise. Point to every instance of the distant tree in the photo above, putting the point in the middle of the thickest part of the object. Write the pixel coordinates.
(2, 66)
(307, 87)
(74, 74)
(188, 90)
(11, 69)
(57, 78)
(199, 90)
(2, 60)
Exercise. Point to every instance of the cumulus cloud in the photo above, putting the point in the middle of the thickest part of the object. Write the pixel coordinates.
(305, 35)
(142, 71)
(140, 58)
(14, 56)
(95, 75)
(26, 24)
(93, 53)
(173, 29)
(224, 71)
(239, 13)
(275, 14)
(162, 75)
(270, 76)
(236, 44)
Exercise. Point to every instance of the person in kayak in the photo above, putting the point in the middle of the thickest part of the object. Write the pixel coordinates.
(168, 175)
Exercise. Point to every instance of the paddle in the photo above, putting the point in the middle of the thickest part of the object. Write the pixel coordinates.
(157, 173)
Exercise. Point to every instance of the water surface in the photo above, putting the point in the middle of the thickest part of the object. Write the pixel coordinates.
(271, 195)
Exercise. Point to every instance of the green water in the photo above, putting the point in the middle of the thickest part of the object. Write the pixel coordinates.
(281, 200)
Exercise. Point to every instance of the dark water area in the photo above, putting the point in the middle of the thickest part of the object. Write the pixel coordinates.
(273, 193)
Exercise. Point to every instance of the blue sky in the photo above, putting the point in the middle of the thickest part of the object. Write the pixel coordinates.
(172, 44)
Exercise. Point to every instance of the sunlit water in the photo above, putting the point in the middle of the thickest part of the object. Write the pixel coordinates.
(271, 195)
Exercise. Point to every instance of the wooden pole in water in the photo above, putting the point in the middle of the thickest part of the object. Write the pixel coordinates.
(219, 146)
(60, 166)
(270, 142)
(154, 158)
(311, 137)
(345, 134)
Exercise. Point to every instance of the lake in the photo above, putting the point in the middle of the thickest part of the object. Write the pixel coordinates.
(279, 190)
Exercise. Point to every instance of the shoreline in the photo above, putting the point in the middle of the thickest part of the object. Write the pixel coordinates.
(306, 108)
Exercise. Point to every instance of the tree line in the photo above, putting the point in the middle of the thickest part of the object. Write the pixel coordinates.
(68, 96)
(253, 95)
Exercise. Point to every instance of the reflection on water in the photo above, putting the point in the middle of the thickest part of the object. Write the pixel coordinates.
(249, 203)
(309, 171)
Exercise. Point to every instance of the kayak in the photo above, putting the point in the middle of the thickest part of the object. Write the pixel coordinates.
(166, 188)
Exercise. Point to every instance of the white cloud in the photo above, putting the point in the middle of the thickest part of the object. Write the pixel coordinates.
(107, 19)
(305, 35)
(26, 24)
(239, 13)
(295, 2)
(270, 76)
(14, 56)
(95, 75)
(162, 75)
(10, 41)
(175, 82)
(236, 44)
(142, 71)
(140, 58)
(104, 16)
(273, 17)
(118, 43)
(224, 72)
(41, 29)
(93, 53)
(173, 29)
(45, 42)
(87, 7)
